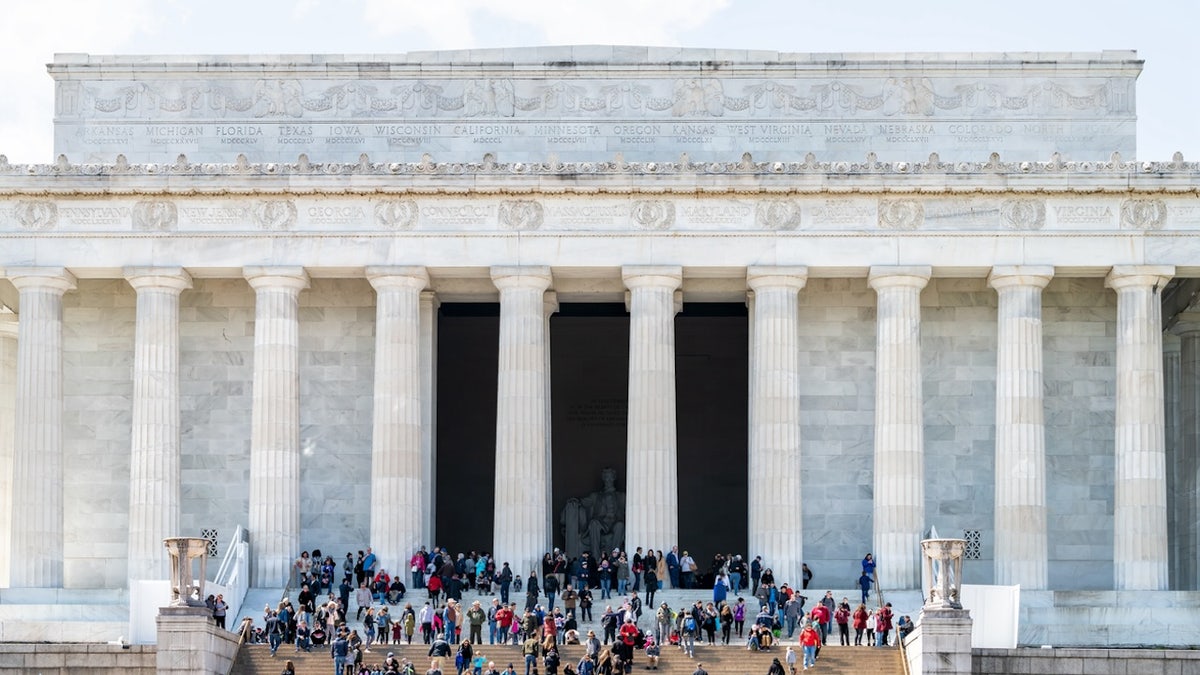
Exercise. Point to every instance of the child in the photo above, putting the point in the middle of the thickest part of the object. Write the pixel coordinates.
(477, 664)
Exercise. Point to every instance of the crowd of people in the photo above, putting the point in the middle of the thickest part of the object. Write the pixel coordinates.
(554, 607)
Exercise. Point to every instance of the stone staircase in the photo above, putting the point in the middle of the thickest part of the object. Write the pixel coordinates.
(717, 660)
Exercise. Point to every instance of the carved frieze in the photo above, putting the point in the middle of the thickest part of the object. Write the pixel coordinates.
(155, 216)
(293, 98)
(396, 214)
(1023, 214)
(1143, 214)
(653, 214)
(901, 214)
(36, 216)
(520, 214)
(275, 215)
(778, 214)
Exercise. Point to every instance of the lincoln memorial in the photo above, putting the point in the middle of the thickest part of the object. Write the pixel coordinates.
(790, 305)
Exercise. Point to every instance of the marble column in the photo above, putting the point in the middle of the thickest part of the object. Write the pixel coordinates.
(1185, 452)
(775, 457)
(37, 494)
(522, 497)
(8, 402)
(154, 465)
(549, 307)
(1140, 507)
(429, 321)
(651, 470)
(275, 424)
(1021, 555)
(899, 508)
(396, 442)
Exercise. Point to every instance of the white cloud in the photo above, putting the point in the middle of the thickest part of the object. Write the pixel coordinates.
(448, 23)
(29, 37)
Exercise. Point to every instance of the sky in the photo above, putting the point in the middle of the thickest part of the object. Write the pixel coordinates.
(1162, 31)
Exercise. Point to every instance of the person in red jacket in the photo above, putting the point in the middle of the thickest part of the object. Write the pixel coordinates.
(860, 624)
(809, 639)
(883, 625)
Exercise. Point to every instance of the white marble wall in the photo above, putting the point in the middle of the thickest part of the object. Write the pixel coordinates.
(8, 401)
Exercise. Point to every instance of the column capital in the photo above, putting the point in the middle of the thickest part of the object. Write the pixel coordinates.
(164, 278)
(642, 276)
(398, 277)
(292, 277)
(550, 302)
(1009, 276)
(758, 278)
(1187, 324)
(54, 278)
(1127, 276)
(894, 276)
(522, 276)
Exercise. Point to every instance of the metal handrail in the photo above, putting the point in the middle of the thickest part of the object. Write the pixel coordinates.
(226, 568)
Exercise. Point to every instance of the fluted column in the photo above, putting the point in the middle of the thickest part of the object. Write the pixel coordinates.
(775, 513)
(429, 320)
(1020, 473)
(1140, 507)
(549, 307)
(8, 402)
(37, 488)
(154, 465)
(1184, 454)
(651, 470)
(899, 509)
(275, 423)
(396, 440)
(521, 533)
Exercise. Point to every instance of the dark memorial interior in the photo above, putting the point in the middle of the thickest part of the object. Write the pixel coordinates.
(467, 362)
(589, 392)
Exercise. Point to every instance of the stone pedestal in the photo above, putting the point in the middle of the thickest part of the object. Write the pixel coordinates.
(651, 471)
(1140, 485)
(775, 450)
(397, 457)
(190, 643)
(154, 464)
(522, 502)
(275, 423)
(899, 507)
(945, 627)
(37, 487)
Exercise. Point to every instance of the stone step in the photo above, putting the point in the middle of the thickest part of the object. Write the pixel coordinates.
(717, 660)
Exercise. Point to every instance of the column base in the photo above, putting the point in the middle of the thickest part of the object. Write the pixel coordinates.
(942, 643)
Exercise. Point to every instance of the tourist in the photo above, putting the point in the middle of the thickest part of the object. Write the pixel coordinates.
(841, 616)
(435, 667)
(737, 569)
(720, 588)
(475, 618)
(809, 640)
(530, 649)
(883, 625)
(687, 570)
(827, 627)
(790, 658)
(725, 620)
(872, 622)
(699, 670)
(776, 668)
(688, 628)
(710, 624)
(220, 609)
(339, 649)
(673, 566)
(531, 591)
(505, 578)
(864, 584)
(868, 566)
(806, 576)
(755, 574)
(860, 624)
(289, 668)
(462, 658)
(652, 653)
(739, 616)
(792, 611)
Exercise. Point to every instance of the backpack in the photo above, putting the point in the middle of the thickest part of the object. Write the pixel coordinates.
(689, 623)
